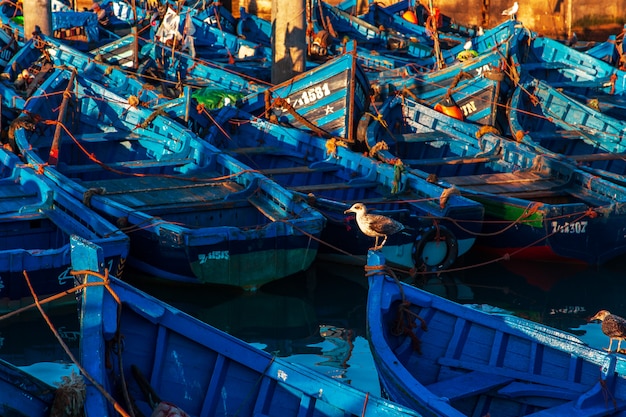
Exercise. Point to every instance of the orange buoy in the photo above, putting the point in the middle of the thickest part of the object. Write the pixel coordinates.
(448, 107)
(409, 16)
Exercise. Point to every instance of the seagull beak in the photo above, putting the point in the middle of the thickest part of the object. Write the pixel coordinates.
(347, 211)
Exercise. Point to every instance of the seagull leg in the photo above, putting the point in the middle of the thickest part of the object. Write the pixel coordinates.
(619, 344)
(384, 240)
(375, 243)
(610, 344)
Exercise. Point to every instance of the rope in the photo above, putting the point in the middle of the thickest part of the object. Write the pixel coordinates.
(95, 383)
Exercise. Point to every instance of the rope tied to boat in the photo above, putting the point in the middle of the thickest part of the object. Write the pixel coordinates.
(379, 146)
(332, 144)
(486, 129)
(38, 303)
(90, 193)
(612, 81)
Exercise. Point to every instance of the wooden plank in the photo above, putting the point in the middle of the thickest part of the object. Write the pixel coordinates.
(303, 169)
(137, 164)
(331, 186)
(507, 183)
(269, 210)
(154, 192)
(604, 156)
(524, 389)
(468, 384)
(511, 373)
(452, 160)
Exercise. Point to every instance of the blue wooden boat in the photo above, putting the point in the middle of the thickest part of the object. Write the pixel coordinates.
(213, 44)
(41, 54)
(328, 100)
(175, 195)
(542, 116)
(338, 24)
(608, 51)
(504, 36)
(331, 178)
(37, 219)
(536, 207)
(160, 65)
(78, 28)
(564, 67)
(394, 17)
(445, 359)
(22, 394)
(171, 358)
(478, 95)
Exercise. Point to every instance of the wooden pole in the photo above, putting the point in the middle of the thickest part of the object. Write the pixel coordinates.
(37, 17)
(53, 158)
(288, 39)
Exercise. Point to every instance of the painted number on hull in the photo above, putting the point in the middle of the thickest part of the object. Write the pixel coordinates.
(468, 108)
(218, 254)
(576, 227)
(310, 95)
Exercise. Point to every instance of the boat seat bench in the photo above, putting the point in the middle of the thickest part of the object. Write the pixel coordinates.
(452, 160)
(468, 384)
(574, 387)
(333, 186)
(303, 169)
(148, 163)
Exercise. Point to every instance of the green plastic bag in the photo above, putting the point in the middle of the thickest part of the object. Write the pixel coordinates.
(213, 98)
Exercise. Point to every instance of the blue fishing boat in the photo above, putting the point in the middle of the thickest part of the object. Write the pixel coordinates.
(22, 394)
(609, 51)
(193, 214)
(160, 65)
(475, 97)
(328, 100)
(542, 116)
(564, 67)
(445, 359)
(173, 361)
(536, 207)
(36, 60)
(37, 221)
(331, 177)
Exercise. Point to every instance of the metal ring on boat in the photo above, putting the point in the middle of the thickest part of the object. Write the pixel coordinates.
(428, 243)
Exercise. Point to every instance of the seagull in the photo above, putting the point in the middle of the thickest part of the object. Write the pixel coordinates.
(613, 326)
(511, 10)
(374, 225)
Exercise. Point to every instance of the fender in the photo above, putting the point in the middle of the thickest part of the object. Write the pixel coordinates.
(442, 235)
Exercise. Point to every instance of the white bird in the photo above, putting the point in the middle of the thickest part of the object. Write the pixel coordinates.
(511, 11)
(374, 225)
(468, 45)
(480, 32)
(613, 326)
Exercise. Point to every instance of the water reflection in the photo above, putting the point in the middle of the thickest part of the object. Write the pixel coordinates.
(318, 318)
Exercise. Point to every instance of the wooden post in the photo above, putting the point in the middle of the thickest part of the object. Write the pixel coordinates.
(53, 158)
(288, 39)
(37, 17)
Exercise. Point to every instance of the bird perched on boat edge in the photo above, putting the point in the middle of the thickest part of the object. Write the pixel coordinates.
(613, 326)
(374, 225)
(511, 11)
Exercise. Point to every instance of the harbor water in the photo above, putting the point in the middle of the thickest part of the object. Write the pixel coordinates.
(318, 318)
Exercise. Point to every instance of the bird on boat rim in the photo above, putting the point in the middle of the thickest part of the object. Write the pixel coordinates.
(374, 225)
(613, 326)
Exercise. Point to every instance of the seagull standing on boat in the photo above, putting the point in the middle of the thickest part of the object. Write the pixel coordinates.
(374, 225)
(613, 326)
(511, 11)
